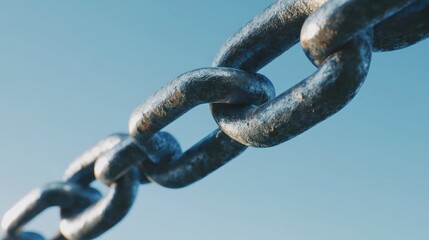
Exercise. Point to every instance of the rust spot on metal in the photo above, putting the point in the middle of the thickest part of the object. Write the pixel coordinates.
(178, 98)
(145, 125)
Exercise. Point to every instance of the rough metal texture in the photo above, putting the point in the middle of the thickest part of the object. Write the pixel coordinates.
(403, 29)
(207, 85)
(267, 36)
(326, 37)
(207, 155)
(338, 21)
(304, 105)
(338, 36)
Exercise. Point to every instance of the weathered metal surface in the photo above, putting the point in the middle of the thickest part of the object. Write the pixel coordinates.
(197, 162)
(205, 85)
(278, 28)
(267, 36)
(403, 29)
(304, 105)
(337, 36)
(338, 21)
(325, 31)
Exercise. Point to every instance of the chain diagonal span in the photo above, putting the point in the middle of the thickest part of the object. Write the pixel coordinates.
(338, 37)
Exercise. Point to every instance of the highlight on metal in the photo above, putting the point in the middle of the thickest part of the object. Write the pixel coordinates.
(338, 37)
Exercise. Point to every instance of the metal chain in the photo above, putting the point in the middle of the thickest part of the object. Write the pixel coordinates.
(338, 36)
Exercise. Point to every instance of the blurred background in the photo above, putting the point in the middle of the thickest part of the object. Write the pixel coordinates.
(72, 72)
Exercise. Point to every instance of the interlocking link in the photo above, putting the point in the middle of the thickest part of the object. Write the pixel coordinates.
(205, 85)
(127, 152)
(104, 214)
(314, 99)
(338, 36)
(70, 197)
(111, 208)
(212, 152)
(304, 105)
(338, 21)
(81, 170)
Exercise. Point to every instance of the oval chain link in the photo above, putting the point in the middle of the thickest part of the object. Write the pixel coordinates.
(338, 36)
(205, 85)
(70, 197)
(109, 210)
(323, 35)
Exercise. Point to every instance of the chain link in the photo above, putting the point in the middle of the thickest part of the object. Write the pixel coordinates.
(71, 198)
(338, 36)
(176, 98)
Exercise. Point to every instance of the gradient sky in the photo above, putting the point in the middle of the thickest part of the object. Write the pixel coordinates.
(72, 72)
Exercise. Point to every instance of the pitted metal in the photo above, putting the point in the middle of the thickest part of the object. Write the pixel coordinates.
(267, 36)
(338, 21)
(304, 105)
(338, 36)
(325, 31)
(205, 85)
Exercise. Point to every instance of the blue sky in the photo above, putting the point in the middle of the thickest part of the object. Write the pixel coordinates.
(71, 73)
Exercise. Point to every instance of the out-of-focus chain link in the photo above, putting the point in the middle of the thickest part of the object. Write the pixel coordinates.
(338, 36)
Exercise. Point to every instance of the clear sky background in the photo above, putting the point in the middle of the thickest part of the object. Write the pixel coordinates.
(72, 72)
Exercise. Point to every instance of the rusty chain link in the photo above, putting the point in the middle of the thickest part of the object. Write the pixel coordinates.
(338, 36)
